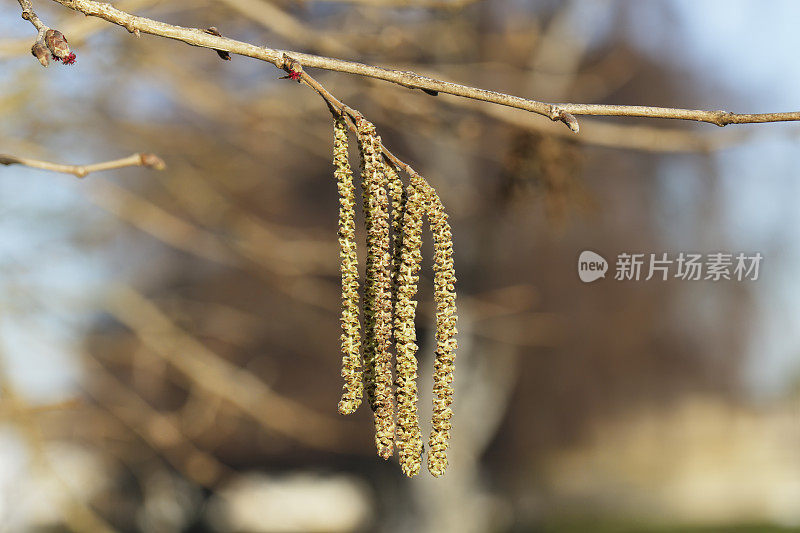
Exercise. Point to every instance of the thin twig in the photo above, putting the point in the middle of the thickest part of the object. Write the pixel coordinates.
(81, 171)
(557, 112)
(30, 15)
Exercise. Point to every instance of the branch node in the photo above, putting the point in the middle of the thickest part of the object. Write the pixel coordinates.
(352, 112)
(723, 118)
(225, 56)
(557, 114)
(292, 67)
(130, 27)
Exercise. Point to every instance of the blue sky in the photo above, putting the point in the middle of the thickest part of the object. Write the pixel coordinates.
(751, 48)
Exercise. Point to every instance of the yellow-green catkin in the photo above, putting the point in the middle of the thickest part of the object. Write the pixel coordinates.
(409, 435)
(398, 198)
(369, 290)
(377, 289)
(445, 297)
(348, 257)
(370, 277)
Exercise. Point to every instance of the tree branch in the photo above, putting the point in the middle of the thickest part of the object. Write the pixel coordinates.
(80, 171)
(556, 112)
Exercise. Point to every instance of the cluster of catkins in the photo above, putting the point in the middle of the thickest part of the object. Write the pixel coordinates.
(393, 215)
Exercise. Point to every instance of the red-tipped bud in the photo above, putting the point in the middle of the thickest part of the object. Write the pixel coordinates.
(57, 44)
(40, 52)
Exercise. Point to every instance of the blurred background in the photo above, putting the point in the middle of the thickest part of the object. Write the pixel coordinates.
(169, 340)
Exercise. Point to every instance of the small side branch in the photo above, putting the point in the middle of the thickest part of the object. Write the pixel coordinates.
(81, 171)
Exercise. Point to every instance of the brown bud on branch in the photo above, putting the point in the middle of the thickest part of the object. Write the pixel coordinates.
(225, 56)
(40, 51)
(57, 44)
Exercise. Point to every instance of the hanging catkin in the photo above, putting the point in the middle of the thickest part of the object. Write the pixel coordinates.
(409, 435)
(445, 297)
(351, 336)
(377, 289)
